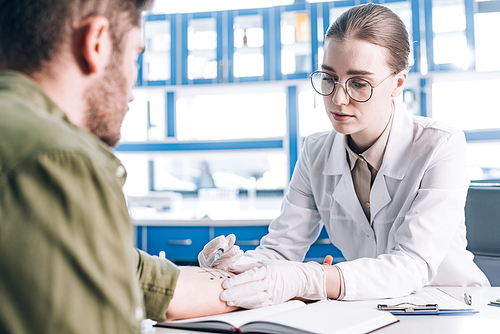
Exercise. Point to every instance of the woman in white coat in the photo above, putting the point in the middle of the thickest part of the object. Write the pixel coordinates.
(389, 187)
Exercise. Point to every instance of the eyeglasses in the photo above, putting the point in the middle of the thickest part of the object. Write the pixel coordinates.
(358, 89)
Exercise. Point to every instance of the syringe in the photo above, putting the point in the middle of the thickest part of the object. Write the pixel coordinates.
(217, 256)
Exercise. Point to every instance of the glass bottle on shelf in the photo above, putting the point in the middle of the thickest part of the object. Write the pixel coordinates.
(248, 56)
(296, 54)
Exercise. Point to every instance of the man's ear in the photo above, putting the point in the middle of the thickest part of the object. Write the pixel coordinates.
(401, 80)
(96, 44)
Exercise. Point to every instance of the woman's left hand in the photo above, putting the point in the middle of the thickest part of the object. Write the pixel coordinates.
(275, 282)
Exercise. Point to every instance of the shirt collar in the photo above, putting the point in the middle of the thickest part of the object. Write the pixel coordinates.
(29, 89)
(374, 154)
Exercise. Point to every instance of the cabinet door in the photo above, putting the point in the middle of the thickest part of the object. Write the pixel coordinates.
(180, 243)
(201, 48)
(248, 45)
(247, 237)
(297, 46)
(158, 60)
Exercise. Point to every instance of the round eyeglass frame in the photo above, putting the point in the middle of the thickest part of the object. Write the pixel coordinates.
(345, 85)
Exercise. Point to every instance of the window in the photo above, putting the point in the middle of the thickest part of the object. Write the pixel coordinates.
(483, 160)
(487, 26)
(146, 118)
(467, 104)
(449, 28)
(199, 184)
(247, 111)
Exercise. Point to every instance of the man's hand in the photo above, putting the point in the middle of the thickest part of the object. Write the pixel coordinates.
(275, 282)
(230, 255)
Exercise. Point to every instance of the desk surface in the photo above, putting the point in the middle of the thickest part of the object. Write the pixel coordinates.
(486, 321)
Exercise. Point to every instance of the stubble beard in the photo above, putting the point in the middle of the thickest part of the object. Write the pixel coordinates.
(107, 104)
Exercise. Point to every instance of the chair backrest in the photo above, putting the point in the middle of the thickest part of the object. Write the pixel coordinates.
(482, 218)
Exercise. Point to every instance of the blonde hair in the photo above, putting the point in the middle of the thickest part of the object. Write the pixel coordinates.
(378, 25)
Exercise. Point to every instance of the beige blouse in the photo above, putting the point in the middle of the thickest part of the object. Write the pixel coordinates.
(364, 166)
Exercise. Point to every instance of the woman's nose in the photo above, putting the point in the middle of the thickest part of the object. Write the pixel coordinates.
(340, 96)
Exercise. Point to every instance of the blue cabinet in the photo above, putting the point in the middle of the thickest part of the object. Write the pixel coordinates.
(296, 44)
(226, 46)
(249, 53)
(182, 244)
(261, 44)
(201, 41)
(247, 237)
(157, 65)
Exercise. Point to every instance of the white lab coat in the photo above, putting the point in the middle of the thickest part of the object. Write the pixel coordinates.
(416, 234)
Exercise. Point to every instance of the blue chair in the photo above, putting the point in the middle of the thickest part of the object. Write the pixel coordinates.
(482, 218)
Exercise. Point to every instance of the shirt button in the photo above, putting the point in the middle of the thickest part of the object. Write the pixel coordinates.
(120, 171)
(367, 204)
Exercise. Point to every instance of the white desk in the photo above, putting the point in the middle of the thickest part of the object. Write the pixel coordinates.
(486, 321)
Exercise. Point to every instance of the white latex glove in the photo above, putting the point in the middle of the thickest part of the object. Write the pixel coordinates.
(231, 254)
(275, 282)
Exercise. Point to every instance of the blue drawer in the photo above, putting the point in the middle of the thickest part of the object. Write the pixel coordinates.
(247, 237)
(180, 243)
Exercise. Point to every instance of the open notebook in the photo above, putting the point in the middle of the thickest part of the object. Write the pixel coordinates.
(293, 317)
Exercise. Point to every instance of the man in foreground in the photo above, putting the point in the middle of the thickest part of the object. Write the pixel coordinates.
(67, 68)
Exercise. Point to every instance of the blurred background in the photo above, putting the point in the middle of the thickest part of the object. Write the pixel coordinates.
(223, 99)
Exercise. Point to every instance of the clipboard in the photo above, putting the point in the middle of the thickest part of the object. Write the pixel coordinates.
(428, 309)
(429, 301)
(408, 307)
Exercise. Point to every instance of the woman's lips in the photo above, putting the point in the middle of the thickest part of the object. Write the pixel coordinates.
(340, 117)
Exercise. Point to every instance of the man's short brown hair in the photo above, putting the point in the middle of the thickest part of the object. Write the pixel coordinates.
(33, 31)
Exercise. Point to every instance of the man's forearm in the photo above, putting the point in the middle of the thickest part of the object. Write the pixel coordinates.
(197, 293)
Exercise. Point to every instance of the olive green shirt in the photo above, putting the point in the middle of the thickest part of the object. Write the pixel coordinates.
(67, 262)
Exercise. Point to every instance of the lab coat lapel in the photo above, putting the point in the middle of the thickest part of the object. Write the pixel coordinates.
(379, 195)
(344, 193)
(398, 151)
(395, 162)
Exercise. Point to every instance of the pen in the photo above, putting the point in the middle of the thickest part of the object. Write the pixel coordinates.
(467, 299)
(495, 303)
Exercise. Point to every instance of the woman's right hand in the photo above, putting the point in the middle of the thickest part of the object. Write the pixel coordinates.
(229, 257)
